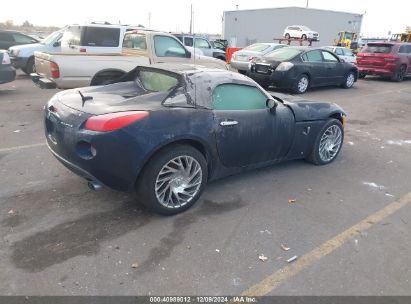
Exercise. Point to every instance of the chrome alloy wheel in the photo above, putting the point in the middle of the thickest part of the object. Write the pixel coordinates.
(350, 80)
(330, 143)
(178, 182)
(302, 84)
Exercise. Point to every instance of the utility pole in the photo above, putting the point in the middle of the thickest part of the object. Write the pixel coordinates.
(149, 19)
(306, 6)
(191, 19)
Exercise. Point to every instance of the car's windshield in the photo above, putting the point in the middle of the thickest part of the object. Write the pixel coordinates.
(156, 81)
(283, 54)
(257, 47)
(50, 38)
(377, 48)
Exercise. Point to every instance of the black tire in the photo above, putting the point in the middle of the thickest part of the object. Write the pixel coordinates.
(399, 74)
(287, 36)
(361, 75)
(145, 186)
(304, 37)
(30, 66)
(299, 89)
(348, 80)
(314, 156)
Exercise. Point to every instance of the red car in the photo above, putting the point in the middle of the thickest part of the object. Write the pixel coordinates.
(389, 59)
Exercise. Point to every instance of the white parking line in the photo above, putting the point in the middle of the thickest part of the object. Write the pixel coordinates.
(16, 148)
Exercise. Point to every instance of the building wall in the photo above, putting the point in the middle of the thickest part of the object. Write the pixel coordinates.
(244, 27)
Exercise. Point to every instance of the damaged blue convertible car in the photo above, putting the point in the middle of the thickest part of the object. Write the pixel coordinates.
(165, 130)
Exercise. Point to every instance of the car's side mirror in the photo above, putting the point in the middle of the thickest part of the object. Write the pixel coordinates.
(271, 105)
(57, 43)
(188, 54)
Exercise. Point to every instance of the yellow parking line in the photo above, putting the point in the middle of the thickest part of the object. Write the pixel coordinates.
(277, 278)
(21, 147)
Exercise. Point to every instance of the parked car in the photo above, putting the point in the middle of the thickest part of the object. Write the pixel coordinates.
(241, 58)
(7, 72)
(140, 47)
(300, 32)
(203, 44)
(388, 59)
(345, 54)
(201, 125)
(22, 56)
(215, 44)
(10, 38)
(95, 38)
(301, 68)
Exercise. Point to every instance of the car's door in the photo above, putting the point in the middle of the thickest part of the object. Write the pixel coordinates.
(405, 52)
(169, 49)
(334, 68)
(313, 60)
(204, 46)
(409, 57)
(246, 131)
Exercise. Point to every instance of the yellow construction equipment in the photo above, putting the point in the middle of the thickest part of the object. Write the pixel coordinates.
(347, 39)
(402, 37)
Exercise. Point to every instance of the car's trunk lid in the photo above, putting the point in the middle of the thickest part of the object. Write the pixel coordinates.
(375, 55)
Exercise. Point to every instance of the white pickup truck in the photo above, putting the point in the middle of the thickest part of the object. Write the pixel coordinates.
(140, 47)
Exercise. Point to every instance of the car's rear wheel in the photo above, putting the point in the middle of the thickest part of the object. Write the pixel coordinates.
(328, 143)
(302, 84)
(287, 36)
(173, 180)
(30, 66)
(349, 80)
(361, 75)
(304, 37)
(399, 74)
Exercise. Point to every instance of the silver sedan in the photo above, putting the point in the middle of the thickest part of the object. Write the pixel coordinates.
(242, 58)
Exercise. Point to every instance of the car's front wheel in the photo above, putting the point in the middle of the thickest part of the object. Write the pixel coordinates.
(30, 66)
(304, 37)
(328, 143)
(173, 180)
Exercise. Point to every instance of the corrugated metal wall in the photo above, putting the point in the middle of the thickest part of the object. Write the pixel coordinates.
(244, 27)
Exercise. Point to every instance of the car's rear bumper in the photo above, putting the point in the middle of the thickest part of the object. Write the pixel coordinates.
(240, 65)
(42, 82)
(19, 62)
(376, 71)
(7, 73)
(282, 80)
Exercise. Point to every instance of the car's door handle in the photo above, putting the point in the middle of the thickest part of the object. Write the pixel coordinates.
(227, 123)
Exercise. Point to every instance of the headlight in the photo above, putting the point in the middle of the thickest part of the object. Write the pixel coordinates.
(284, 66)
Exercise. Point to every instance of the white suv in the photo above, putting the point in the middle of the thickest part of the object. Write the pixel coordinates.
(301, 32)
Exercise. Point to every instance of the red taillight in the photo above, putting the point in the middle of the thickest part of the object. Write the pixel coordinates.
(55, 71)
(114, 121)
(390, 58)
(83, 50)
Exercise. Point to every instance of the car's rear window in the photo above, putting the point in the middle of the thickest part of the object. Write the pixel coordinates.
(378, 48)
(101, 36)
(283, 54)
(135, 41)
(156, 81)
(257, 47)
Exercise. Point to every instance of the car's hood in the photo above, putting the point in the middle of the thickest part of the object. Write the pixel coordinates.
(305, 110)
(25, 46)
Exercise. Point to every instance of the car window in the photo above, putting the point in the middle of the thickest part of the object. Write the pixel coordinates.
(135, 41)
(53, 37)
(22, 39)
(378, 48)
(339, 51)
(313, 56)
(101, 36)
(188, 41)
(283, 54)
(6, 37)
(409, 48)
(156, 81)
(71, 36)
(202, 43)
(348, 52)
(328, 57)
(403, 49)
(238, 97)
(168, 47)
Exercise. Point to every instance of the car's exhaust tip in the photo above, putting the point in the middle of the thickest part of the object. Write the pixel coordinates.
(93, 185)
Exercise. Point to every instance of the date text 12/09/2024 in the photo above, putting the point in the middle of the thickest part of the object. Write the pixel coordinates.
(203, 299)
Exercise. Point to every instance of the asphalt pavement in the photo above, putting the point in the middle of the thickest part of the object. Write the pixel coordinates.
(57, 237)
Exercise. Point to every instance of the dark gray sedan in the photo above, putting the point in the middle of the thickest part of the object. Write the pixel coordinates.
(7, 72)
